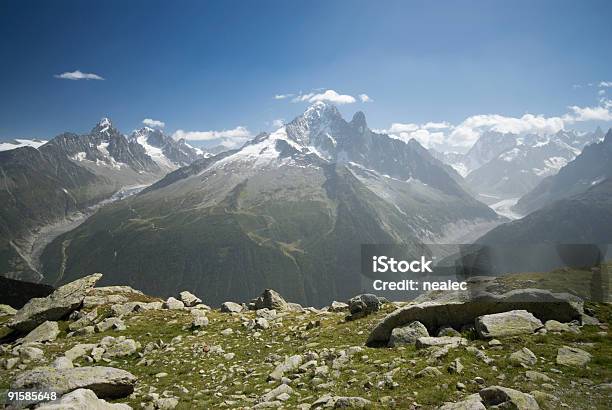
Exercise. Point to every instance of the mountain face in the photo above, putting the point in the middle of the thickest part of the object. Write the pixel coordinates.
(289, 211)
(501, 166)
(589, 168)
(582, 218)
(574, 231)
(163, 149)
(486, 148)
(68, 174)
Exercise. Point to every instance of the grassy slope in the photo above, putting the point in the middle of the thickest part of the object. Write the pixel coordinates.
(213, 380)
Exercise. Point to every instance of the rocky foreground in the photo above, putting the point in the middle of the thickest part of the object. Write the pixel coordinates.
(116, 348)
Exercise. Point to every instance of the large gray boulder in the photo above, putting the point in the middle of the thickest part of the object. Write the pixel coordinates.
(408, 334)
(363, 305)
(60, 303)
(512, 323)
(82, 399)
(189, 299)
(231, 307)
(271, 299)
(541, 303)
(506, 398)
(46, 332)
(106, 382)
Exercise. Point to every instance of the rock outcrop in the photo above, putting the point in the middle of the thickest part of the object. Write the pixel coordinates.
(105, 382)
(81, 399)
(57, 305)
(543, 304)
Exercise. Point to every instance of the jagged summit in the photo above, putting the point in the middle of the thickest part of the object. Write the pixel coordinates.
(359, 121)
(105, 125)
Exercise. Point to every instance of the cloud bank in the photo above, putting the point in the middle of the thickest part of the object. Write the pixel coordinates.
(229, 139)
(465, 134)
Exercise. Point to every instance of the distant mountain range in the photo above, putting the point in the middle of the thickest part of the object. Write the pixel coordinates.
(288, 210)
(43, 183)
(501, 166)
(569, 221)
(591, 167)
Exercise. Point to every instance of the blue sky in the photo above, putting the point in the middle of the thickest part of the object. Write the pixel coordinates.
(204, 66)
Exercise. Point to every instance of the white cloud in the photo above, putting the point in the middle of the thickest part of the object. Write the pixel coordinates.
(421, 133)
(599, 113)
(78, 75)
(601, 92)
(277, 123)
(238, 133)
(436, 125)
(605, 84)
(398, 127)
(328, 95)
(464, 135)
(365, 98)
(282, 96)
(153, 123)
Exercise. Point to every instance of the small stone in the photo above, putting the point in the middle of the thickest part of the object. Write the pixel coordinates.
(572, 356)
(231, 307)
(537, 376)
(276, 392)
(338, 306)
(455, 366)
(429, 372)
(199, 321)
(523, 357)
(189, 299)
(407, 334)
(173, 304)
(62, 362)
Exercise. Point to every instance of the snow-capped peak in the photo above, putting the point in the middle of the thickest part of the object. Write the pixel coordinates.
(104, 125)
(319, 110)
(105, 122)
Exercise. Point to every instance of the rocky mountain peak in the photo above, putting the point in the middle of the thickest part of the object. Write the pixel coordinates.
(608, 137)
(321, 111)
(104, 126)
(359, 121)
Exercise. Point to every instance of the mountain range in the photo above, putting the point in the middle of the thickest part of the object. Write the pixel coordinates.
(289, 211)
(46, 183)
(591, 167)
(503, 166)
